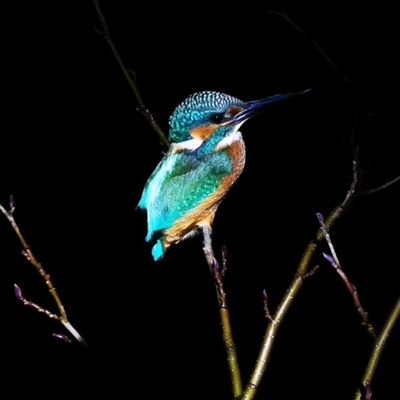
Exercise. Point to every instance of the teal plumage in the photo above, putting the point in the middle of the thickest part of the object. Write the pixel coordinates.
(180, 183)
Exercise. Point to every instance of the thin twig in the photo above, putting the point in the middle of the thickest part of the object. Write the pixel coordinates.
(311, 272)
(334, 261)
(282, 13)
(229, 342)
(378, 348)
(224, 256)
(294, 288)
(61, 336)
(30, 257)
(129, 76)
(382, 187)
(36, 307)
(267, 312)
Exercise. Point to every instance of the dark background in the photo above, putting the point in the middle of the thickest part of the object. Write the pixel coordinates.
(76, 155)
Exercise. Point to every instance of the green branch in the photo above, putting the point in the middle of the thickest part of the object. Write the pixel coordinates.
(230, 347)
(379, 346)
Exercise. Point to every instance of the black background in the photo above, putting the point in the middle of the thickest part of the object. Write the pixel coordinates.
(76, 155)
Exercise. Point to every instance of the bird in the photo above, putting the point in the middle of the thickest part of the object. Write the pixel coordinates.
(206, 156)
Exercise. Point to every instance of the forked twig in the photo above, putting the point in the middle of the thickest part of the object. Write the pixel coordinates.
(30, 257)
(334, 261)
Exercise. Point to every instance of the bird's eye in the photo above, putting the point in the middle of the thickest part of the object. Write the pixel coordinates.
(217, 118)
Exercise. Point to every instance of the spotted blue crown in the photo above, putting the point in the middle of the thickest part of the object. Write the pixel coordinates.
(196, 110)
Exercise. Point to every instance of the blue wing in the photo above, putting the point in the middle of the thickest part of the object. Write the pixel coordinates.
(178, 185)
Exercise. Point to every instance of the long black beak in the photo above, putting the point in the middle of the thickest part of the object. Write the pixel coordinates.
(252, 108)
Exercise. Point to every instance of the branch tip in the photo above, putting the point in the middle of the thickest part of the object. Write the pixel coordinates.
(330, 259)
(62, 337)
(382, 187)
(18, 293)
(11, 203)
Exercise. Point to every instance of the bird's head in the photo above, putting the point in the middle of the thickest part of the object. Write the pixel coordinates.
(211, 117)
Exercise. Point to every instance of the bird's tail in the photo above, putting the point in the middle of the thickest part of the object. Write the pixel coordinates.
(158, 250)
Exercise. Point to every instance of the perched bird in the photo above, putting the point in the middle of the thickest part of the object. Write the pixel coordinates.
(205, 158)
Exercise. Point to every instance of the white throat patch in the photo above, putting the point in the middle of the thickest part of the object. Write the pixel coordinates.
(189, 145)
(233, 137)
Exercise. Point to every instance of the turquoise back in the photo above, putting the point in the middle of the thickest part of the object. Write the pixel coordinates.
(180, 183)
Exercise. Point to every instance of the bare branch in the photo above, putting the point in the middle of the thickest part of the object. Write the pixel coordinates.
(30, 257)
(378, 347)
(11, 204)
(334, 261)
(129, 76)
(218, 275)
(382, 187)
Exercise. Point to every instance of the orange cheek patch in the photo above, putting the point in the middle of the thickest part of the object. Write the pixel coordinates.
(203, 132)
(234, 110)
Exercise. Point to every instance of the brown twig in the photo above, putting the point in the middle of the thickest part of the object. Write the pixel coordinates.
(334, 261)
(378, 348)
(230, 347)
(129, 76)
(294, 288)
(30, 257)
(36, 307)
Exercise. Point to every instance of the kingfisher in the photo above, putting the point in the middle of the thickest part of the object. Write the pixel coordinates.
(205, 157)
